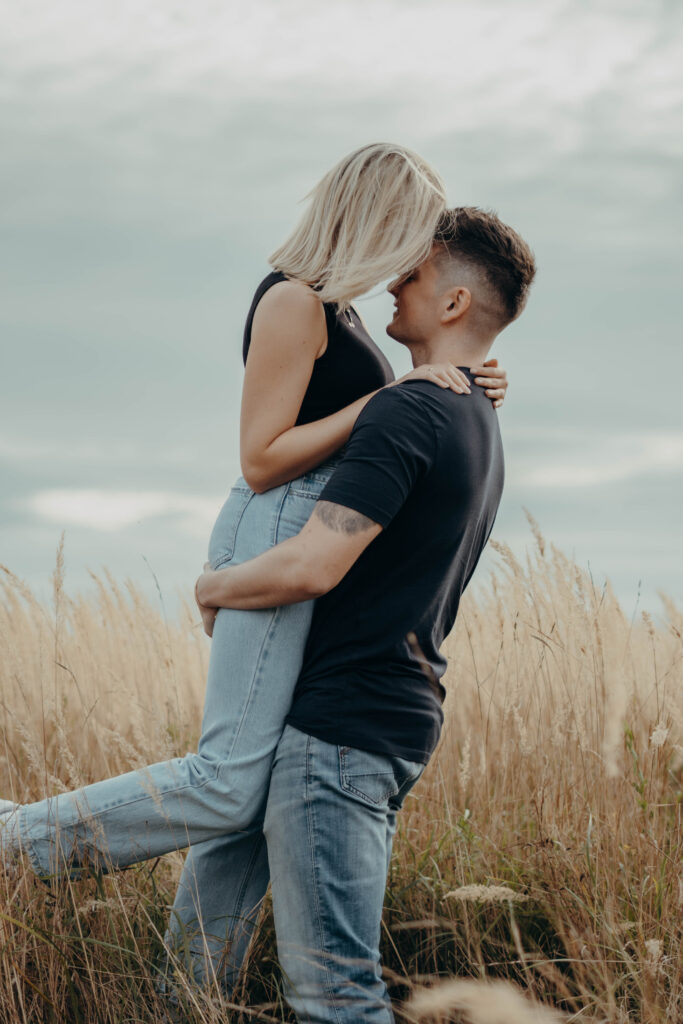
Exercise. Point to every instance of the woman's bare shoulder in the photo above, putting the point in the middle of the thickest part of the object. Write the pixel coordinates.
(292, 298)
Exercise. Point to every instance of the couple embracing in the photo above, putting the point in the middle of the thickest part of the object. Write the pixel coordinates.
(335, 571)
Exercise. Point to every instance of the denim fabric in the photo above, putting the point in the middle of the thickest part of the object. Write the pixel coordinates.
(214, 797)
(329, 824)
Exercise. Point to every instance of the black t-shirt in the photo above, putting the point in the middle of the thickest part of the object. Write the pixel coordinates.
(351, 366)
(427, 465)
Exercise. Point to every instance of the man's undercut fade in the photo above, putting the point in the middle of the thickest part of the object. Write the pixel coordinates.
(479, 240)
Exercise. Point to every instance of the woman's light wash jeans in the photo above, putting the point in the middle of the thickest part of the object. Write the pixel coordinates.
(213, 800)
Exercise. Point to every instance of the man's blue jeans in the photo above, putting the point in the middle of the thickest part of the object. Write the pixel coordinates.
(330, 822)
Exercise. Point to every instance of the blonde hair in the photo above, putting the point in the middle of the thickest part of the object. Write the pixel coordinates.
(373, 216)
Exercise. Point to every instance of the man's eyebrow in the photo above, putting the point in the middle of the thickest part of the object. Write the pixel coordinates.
(342, 519)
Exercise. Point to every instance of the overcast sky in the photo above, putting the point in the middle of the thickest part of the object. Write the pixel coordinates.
(152, 155)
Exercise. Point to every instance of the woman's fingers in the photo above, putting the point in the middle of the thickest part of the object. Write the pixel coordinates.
(444, 377)
(493, 379)
(461, 378)
(208, 614)
(455, 379)
(489, 371)
(209, 619)
(453, 383)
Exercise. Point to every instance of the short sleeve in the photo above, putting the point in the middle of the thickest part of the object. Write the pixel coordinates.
(391, 446)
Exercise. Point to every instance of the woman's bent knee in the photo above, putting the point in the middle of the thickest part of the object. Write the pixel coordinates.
(239, 804)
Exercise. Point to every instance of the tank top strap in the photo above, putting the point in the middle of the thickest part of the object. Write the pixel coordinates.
(350, 367)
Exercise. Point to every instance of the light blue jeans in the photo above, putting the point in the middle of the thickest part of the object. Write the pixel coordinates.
(212, 800)
(330, 822)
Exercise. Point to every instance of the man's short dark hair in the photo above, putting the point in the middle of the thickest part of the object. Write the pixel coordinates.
(480, 240)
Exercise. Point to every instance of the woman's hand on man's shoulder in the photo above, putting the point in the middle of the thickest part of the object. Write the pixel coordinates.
(493, 379)
(446, 375)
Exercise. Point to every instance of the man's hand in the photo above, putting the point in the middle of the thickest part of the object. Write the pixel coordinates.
(208, 614)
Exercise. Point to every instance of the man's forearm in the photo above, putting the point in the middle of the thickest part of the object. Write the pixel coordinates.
(279, 576)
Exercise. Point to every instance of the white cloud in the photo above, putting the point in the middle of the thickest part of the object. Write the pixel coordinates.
(97, 452)
(453, 66)
(115, 510)
(610, 461)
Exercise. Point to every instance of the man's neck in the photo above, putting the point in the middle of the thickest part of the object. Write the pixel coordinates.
(461, 350)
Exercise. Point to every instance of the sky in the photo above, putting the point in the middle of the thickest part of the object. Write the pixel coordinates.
(154, 154)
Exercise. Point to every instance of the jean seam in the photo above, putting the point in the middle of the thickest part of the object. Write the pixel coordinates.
(239, 915)
(278, 515)
(257, 675)
(96, 815)
(312, 833)
(370, 775)
(293, 492)
(348, 788)
(222, 561)
(298, 492)
(264, 643)
(246, 877)
(233, 539)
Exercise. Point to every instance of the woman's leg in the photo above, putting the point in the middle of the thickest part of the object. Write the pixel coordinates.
(224, 880)
(217, 905)
(172, 804)
(255, 662)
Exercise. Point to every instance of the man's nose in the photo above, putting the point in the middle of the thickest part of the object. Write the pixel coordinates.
(394, 286)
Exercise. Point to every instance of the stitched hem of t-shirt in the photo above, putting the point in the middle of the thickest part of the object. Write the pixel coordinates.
(345, 739)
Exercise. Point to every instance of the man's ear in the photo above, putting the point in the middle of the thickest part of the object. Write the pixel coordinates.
(456, 302)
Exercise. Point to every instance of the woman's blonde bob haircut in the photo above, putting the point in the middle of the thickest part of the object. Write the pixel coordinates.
(371, 217)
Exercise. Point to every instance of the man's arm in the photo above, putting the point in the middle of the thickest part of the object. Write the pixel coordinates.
(303, 567)
(390, 449)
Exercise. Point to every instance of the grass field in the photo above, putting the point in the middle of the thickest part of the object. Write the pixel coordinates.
(543, 849)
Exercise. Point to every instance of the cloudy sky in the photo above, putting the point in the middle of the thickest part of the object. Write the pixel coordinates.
(154, 153)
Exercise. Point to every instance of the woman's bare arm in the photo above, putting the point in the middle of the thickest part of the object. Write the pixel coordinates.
(289, 333)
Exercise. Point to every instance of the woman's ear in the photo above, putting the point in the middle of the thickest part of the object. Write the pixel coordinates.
(457, 301)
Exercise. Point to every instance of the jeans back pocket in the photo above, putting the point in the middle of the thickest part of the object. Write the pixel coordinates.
(376, 779)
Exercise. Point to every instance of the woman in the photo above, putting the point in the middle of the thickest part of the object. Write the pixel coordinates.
(310, 369)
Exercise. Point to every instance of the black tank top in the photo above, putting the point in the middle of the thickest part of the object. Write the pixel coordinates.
(351, 366)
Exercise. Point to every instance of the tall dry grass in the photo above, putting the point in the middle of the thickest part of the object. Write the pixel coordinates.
(538, 863)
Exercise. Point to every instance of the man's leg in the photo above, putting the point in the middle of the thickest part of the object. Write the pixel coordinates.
(329, 823)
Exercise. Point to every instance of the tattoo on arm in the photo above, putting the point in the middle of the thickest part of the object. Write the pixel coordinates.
(341, 519)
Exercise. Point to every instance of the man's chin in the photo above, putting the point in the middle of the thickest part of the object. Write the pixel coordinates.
(394, 332)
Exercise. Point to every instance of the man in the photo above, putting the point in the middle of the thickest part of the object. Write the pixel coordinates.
(391, 545)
